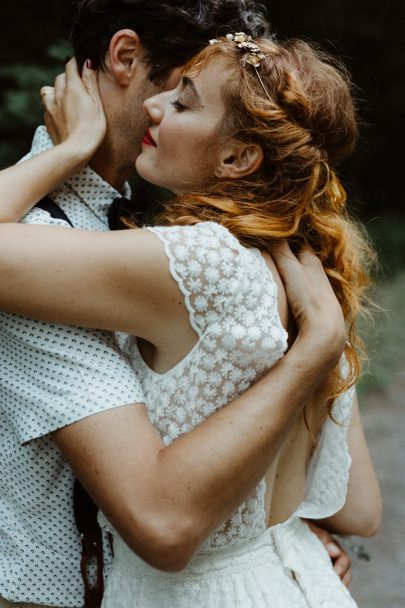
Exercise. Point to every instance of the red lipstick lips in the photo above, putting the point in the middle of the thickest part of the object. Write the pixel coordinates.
(148, 139)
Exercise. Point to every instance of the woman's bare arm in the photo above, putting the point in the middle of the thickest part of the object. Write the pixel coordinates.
(116, 280)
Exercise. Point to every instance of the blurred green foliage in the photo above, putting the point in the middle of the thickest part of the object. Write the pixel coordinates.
(387, 232)
(21, 109)
(385, 337)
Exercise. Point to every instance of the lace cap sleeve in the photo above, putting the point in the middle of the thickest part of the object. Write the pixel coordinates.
(328, 473)
(203, 261)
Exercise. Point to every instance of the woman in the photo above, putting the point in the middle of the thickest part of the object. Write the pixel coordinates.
(250, 160)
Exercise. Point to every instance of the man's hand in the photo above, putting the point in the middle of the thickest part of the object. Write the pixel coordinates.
(313, 304)
(341, 561)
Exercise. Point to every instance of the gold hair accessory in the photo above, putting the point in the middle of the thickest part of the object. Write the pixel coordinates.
(251, 52)
(252, 55)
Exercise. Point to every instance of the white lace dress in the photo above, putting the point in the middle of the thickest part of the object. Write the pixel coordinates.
(232, 300)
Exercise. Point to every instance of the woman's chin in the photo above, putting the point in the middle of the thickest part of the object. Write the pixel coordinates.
(146, 173)
(155, 177)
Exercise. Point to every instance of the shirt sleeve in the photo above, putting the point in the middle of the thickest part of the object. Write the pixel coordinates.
(54, 375)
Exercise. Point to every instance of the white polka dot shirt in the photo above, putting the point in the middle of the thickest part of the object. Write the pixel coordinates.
(50, 376)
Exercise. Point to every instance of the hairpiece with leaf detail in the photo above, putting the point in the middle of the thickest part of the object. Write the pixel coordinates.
(251, 52)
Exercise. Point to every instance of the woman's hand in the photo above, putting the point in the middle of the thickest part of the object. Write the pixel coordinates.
(73, 110)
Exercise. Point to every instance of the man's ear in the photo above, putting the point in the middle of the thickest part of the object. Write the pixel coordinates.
(124, 53)
(239, 159)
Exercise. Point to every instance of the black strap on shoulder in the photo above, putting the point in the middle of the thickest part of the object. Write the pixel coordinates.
(47, 204)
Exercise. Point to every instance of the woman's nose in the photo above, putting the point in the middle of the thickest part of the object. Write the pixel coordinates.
(154, 106)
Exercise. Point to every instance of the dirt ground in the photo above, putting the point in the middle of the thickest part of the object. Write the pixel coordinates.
(380, 583)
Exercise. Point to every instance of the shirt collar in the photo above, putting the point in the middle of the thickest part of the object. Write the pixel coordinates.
(86, 184)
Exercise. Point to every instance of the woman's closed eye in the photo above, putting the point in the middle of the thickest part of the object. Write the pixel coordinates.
(178, 106)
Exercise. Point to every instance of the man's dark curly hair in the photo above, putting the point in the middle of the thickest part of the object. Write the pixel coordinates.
(171, 32)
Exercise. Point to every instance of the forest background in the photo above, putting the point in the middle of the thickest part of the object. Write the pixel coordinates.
(369, 36)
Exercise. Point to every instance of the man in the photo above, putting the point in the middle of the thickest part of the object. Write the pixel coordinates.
(65, 390)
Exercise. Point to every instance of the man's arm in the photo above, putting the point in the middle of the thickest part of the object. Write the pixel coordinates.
(165, 501)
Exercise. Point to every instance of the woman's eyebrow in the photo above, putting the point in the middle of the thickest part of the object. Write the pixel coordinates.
(188, 83)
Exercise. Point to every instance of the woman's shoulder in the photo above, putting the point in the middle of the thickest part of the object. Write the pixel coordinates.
(207, 262)
(216, 273)
(209, 245)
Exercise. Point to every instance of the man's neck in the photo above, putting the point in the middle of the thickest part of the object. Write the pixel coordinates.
(111, 169)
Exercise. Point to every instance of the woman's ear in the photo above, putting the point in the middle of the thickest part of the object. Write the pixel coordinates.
(239, 159)
(124, 53)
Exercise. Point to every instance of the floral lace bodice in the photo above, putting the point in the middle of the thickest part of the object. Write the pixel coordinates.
(231, 297)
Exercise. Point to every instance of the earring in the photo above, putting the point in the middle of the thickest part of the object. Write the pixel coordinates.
(218, 172)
